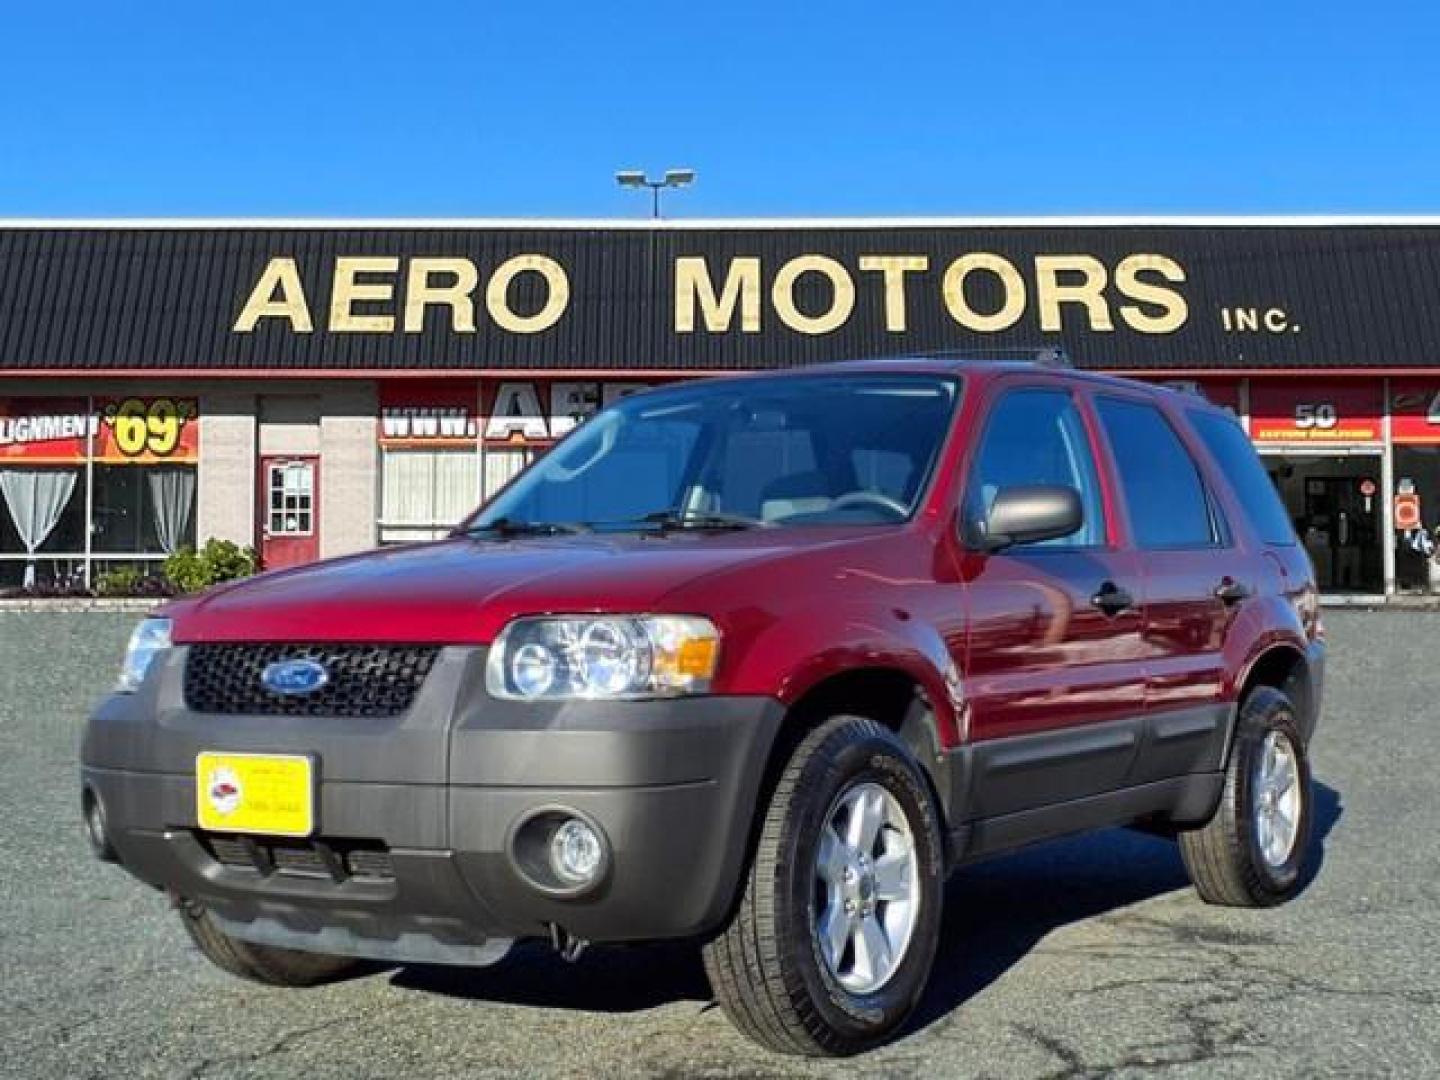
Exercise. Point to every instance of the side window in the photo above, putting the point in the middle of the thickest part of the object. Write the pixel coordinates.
(1163, 491)
(1236, 458)
(1036, 437)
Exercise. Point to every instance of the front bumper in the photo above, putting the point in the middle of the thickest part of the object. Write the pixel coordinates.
(672, 785)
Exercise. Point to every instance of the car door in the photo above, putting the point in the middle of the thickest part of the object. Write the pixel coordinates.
(1053, 683)
(1193, 581)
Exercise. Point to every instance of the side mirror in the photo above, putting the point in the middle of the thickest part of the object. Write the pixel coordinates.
(1027, 515)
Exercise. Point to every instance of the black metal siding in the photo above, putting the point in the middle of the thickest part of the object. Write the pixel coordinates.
(148, 299)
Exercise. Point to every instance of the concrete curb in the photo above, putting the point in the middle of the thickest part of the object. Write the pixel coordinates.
(66, 604)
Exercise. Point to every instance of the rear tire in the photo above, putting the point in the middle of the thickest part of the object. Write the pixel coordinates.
(877, 892)
(261, 963)
(1253, 851)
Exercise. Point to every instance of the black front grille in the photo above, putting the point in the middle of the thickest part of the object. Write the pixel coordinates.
(363, 680)
(333, 859)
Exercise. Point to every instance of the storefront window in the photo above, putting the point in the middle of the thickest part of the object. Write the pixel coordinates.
(86, 477)
(1336, 520)
(503, 464)
(1322, 442)
(426, 492)
(446, 446)
(45, 515)
(144, 509)
(1417, 532)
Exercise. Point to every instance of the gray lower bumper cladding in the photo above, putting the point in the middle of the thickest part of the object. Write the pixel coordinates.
(440, 795)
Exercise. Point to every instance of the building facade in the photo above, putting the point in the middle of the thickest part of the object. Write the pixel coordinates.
(319, 388)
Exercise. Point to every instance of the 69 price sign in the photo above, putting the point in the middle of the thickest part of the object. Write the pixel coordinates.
(135, 429)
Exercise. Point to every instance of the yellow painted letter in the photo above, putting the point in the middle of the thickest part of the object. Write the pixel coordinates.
(693, 284)
(347, 292)
(1050, 294)
(895, 267)
(953, 289)
(842, 294)
(1173, 309)
(280, 276)
(497, 294)
(421, 293)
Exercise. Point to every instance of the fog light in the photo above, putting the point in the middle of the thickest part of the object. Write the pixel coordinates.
(576, 853)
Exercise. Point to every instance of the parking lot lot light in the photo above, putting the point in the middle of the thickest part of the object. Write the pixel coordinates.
(673, 178)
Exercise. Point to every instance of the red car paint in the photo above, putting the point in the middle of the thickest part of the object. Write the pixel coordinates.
(999, 646)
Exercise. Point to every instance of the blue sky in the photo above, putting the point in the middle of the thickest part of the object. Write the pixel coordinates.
(482, 108)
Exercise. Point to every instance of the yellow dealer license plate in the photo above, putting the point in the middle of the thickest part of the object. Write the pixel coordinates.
(271, 794)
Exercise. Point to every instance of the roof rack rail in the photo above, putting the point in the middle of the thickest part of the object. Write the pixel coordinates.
(1046, 356)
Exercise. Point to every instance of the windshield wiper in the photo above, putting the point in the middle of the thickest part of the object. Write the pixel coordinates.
(700, 520)
(506, 527)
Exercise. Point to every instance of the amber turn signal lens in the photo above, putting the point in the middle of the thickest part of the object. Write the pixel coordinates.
(696, 657)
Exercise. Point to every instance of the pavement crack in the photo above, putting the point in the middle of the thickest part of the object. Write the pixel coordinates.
(278, 1046)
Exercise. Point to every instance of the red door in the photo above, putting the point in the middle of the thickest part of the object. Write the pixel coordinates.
(289, 511)
(1055, 686)
(1194, 575)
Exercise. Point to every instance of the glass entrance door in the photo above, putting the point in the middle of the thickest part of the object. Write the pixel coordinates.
(1334, 502)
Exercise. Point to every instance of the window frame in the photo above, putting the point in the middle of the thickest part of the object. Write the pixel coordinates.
(1222, 536)
(1110, 543)
(305, 511)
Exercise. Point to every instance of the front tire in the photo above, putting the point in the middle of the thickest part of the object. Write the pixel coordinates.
(1253, 851)
(832, 945)
(261, 963)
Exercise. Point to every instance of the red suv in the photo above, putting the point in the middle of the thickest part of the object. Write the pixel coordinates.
(755, 662)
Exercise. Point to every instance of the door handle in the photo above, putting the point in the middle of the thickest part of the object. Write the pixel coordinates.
(1111, 599)
(1230, 591)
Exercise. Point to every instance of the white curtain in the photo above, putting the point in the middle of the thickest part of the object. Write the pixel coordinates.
(426, 492)
(172, 495)
(502, 465)
(36, 498)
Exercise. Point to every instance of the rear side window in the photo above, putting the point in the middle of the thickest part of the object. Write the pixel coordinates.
(1036, 437)
(1160, 481)
(1236, 458)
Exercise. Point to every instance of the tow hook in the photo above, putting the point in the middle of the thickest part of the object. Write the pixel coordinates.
(567, 944)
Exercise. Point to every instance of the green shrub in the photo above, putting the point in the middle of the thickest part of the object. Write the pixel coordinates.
(133, 581)
(229, 561)
(187, 570)
(218, 560)
(121, 581)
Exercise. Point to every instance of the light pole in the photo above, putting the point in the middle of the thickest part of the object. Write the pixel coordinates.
(673, 178)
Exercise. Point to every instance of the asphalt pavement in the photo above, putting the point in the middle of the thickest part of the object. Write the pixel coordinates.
(1086, 957)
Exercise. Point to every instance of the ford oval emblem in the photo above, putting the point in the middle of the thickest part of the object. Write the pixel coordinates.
(291, 677)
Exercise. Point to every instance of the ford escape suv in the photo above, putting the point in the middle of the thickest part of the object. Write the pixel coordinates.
(754, 662)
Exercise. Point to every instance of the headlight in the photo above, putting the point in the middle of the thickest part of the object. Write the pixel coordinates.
(150, 639)
(603, 657)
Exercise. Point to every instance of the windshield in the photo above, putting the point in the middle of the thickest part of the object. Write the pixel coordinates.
(813, 450)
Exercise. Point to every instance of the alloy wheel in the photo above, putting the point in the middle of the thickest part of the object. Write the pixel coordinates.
(867, 890)
(1277, 799)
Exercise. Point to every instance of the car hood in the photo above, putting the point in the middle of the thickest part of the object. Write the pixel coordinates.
(464, 590)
